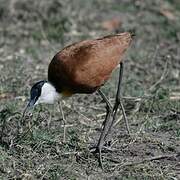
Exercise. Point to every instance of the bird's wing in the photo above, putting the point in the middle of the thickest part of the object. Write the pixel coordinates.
(86, 65)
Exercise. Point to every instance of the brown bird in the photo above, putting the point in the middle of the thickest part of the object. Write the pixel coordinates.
(84, 67)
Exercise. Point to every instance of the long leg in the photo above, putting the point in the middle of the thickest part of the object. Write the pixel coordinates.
(118, 102)
(64, 120)
(106, 126)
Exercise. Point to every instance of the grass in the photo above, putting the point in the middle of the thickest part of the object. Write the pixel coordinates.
(31, 33)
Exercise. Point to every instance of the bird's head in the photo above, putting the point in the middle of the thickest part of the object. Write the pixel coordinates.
(42, 92)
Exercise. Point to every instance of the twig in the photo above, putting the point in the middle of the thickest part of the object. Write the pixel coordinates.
(78, 112)
(150, 159)
(100, 115)
(72, 153)
(132, 163)
(161, 78)
(155, 54)
(67, 125)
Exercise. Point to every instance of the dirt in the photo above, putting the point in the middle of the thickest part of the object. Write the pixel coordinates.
(31, 32)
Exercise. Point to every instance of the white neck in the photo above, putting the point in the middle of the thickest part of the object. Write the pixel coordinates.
(48, 94)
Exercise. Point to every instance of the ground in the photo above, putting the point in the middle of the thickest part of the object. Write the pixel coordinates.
(31, 32)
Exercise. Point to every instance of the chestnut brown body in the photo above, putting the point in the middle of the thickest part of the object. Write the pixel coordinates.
(85, 66)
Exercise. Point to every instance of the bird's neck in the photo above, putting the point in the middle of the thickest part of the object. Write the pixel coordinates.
(48, 94)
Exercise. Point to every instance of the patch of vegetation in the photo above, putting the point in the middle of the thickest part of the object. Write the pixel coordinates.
(31, 33)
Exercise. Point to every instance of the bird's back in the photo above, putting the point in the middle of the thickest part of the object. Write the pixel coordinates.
(85, 66)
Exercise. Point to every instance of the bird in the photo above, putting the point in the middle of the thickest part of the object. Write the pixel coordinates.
(83, 68)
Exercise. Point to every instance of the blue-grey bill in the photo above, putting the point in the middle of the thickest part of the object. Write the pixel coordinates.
(29, 106)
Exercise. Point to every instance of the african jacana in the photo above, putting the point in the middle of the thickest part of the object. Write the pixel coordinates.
(84, 67)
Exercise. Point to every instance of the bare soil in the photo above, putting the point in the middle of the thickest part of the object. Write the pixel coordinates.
(31, 32)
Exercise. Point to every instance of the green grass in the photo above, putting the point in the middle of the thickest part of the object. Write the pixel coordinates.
(31, 33)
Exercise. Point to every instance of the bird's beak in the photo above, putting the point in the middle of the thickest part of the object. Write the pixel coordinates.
(31, 103)
(29, 106)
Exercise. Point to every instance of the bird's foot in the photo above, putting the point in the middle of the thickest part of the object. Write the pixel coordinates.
(101, 149)
(105, 148)
(95, 150)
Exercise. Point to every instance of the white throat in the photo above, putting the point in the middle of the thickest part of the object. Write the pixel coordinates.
(48, 94)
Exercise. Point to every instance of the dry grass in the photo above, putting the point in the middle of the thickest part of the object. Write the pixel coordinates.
(30, 34)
